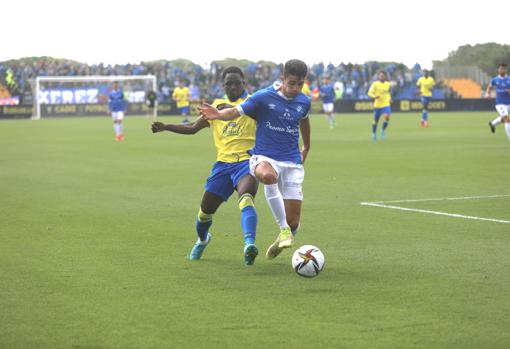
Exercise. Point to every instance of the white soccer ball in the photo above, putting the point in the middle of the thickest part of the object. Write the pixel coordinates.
(308, 261)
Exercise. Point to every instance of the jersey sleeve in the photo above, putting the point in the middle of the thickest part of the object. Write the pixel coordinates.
(371, 91)
(418, 83)
(493, 82)
(250, 106)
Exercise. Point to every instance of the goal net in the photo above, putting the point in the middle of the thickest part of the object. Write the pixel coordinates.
(88, 95)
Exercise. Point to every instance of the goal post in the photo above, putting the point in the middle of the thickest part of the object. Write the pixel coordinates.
(86, 90)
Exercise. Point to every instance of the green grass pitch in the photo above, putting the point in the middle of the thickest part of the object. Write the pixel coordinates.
(94, 235)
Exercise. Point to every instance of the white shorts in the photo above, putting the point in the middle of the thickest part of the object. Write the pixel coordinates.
(290, 176)
(328, 107)
(117, 115)
(503, 109)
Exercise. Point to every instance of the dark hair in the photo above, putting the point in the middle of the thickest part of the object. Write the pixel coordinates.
(384, 72)
(502, 65)
(231, 70)
(295, 67)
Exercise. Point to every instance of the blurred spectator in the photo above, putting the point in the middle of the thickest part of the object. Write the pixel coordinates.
(351, 81)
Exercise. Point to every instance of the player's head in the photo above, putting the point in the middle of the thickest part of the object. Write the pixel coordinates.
(502, 69)
(115, 85)
(425, 73)
(382, 75)
(326, 80)
(294, 75)
(233, 82)
(182, 83)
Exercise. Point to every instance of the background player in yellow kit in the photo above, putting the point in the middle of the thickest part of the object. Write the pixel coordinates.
(181, 96)
(426, 85)
(380, 91)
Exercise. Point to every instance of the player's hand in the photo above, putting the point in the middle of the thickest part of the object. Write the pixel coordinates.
(304, 154)
(157, 127)
(208, 112)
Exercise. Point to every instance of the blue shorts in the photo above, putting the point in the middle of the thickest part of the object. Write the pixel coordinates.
(225, 176)
(381, 111)
(425, 100)
(184, 110)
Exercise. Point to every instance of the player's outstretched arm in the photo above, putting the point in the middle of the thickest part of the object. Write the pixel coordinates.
(306, 131)
(488, 91)
(189, 129)
(209, 112)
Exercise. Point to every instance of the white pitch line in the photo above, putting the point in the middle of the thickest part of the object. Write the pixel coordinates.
(441, 199)
(439, 213)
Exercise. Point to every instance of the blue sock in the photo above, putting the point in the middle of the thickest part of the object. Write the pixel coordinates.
(374, 127)
(249, 224)
(424, 115)
(204, 222)
(385, 125)
(203, 229)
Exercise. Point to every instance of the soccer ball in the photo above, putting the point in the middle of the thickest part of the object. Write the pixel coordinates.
(308, 261)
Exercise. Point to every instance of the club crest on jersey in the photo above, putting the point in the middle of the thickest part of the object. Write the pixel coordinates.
(271, 106)
(299, 108)
(286, 115)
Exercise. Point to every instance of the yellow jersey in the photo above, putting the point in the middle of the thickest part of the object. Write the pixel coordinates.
(233, 138)
(426, 85)
(306, 90)
(181, 96)
(381, 90)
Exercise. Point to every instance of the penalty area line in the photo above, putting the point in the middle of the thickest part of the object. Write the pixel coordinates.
(438, 213)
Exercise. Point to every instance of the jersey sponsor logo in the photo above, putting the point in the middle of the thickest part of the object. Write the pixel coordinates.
(288, 129)
(232, 129)
(271, 106)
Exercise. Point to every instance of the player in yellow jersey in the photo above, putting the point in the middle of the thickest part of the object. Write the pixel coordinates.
(380, 91)
(233, 139)
(181, 96)
(426, 84)
(306, 89)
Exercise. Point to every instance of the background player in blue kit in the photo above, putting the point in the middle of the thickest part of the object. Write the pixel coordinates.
(328, 96)
(117, 107)
(281, 112)
(502, 85)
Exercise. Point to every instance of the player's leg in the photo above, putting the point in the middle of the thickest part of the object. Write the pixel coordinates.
(209, 205)
(331, 116)
(184, 114)
(507, 128)
(247, 188)
(266, 171)
(503, 113)
(425, 112)
(290, 180)
(386, 122)
(218, 188)
(120, 120)
(377, 116)
(115, 125)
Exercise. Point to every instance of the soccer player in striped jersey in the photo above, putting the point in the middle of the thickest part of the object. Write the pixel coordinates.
(231, 172)
(502, 84)
(425, 84)
(117, 108)
(380, 91)
(281, 112)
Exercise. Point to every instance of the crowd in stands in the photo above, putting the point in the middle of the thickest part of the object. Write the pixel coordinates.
(351, 80)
